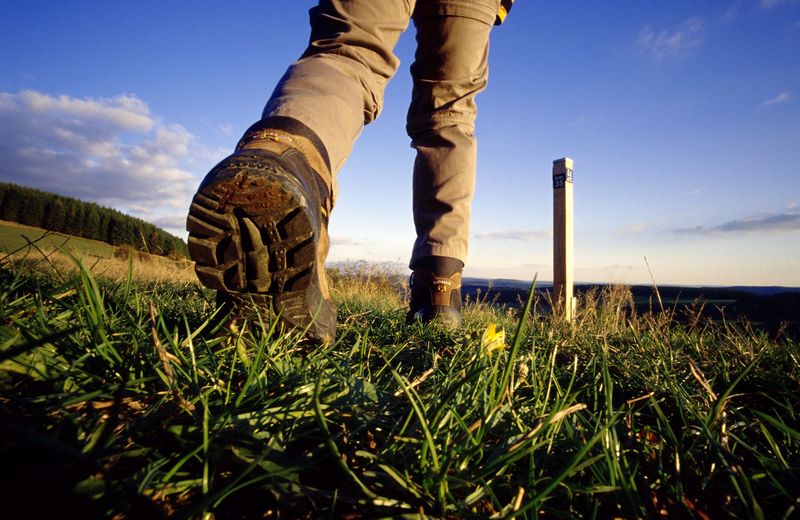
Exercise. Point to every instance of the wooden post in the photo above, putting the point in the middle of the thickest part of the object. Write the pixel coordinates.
(563, 300)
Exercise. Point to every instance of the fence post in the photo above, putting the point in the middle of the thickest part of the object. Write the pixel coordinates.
(563, 300)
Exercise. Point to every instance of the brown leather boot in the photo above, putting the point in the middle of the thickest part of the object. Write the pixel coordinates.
(258, 228)
(435, 298)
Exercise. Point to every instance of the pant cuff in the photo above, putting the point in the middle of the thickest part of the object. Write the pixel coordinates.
(427, 250)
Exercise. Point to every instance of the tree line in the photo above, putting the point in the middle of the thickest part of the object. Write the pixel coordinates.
(85, 219)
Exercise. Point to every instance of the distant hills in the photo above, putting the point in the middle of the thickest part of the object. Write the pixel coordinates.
(768, 290)
(760, 290)
(774, 309)
(85, 219)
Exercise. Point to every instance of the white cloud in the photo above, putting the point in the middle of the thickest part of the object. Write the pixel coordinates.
(127, 112)
(672, 43)
(112, 151)
(780, 98)
(786, 222)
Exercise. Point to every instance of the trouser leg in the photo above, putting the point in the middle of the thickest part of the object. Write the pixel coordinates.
(450, 69)
(337, 86)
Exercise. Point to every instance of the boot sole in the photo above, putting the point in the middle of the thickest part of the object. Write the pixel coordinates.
(253, 235)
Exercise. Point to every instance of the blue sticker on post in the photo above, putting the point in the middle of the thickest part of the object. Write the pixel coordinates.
(560, 179)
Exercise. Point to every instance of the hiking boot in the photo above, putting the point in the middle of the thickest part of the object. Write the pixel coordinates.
(258, 233)
(435, 298)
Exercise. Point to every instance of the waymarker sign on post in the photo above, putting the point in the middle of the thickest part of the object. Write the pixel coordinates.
(563, 299)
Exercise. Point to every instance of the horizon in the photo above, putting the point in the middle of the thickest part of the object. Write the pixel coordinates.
(403, 270)
(683, 121)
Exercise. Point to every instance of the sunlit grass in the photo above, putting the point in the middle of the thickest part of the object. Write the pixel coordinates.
(122, 398)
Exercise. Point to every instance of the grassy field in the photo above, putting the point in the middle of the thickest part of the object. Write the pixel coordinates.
(15, 236)
(126, 399)
(36, 246)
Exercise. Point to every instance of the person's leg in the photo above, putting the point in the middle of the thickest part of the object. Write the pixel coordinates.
(337, 86)
(450, 69)
(257, 226)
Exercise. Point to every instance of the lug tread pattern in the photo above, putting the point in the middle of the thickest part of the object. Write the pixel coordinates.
(249, 234)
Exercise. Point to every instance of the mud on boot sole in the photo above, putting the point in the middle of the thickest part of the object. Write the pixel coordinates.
(253, 233)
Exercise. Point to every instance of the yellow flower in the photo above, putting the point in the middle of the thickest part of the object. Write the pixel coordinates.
(493, 339)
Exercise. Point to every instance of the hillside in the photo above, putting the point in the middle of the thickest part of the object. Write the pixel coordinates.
(39, 249)
(15, 236)
(85, 219)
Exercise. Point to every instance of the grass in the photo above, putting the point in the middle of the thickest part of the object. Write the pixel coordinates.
(34, 248)
(14, 236)
(123, 399)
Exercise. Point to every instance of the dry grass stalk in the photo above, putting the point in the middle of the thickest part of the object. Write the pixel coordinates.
(143, 267)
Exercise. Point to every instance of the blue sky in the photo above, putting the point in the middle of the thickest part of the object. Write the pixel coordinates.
(682, 117)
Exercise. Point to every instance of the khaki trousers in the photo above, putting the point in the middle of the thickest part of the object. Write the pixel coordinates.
(337, 87)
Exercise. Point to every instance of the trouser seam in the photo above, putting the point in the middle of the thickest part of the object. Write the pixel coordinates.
(428, 121)
(483, 13)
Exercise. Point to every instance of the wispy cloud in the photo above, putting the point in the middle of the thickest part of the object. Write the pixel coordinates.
(225, 129)
(112, 151)
(773, 223)
(638, 227)
(522, 236)
(172, 221)
(769, 4)
(733, 11)
(777, 100)
(672, 43)
(740, 7)
(345, 241)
